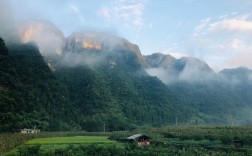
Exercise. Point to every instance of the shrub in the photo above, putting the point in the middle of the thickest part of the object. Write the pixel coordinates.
(226, 139)
(29, 150)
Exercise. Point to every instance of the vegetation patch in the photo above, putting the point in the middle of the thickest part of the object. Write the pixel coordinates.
(179, 140)
(71, 140)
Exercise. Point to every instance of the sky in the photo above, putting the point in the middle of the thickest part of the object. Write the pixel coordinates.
(216, 31)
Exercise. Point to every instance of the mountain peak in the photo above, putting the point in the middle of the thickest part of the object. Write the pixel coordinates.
(51, 40)
(238, 69)
(157, 60)
(98, 42)
(192, 63)
(237, 75)
(169, 69)
(45, 34)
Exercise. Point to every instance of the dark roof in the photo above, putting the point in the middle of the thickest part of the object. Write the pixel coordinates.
(136, 136)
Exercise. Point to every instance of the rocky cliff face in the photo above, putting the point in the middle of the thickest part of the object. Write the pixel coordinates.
(98, 42)
(51, 41)
(46, 35)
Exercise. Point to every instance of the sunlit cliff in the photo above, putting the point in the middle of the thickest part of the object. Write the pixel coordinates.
(51, 40)
(28, 32)
(99, 41)
(47, 36)
(91, 45)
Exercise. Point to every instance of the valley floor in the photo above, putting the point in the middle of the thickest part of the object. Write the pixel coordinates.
(180, 140)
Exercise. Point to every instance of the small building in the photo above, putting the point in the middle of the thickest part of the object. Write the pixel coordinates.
(25, 130)
(141, 139)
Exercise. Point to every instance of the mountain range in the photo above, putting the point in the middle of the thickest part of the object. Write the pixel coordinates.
(91, 80)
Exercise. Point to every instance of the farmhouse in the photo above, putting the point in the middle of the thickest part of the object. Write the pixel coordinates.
(141, 139)
(25, 130)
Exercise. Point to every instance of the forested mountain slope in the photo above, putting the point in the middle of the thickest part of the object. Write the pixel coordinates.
(31, 95)
(102, 81)
(217, 98)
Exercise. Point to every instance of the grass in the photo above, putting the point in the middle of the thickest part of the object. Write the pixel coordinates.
(71, 140)
(205, 143)
(50, 144)
(199, 142)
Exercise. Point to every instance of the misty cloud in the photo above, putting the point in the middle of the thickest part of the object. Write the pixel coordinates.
(192, 70)
(92, 48)
(250, 77)
(195, 74)
(164, 75)
(77, 59)
(8, 28)
(48, 37)
(187, 74)
(185, 69)
(236, 76)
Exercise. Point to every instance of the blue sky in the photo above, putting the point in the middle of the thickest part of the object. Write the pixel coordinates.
(216, 31)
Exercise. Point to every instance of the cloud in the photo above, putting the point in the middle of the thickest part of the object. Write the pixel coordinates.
(166, 76)
(175, 51)
(80, 59)
(77, 11)
(203, 24)
(177, 54)
(125, 12)
(46, 35)
(242, 59)
(241, 25)
(227, 37)
(8, 28)
(190, 70)
(225, 23)
(250, 77)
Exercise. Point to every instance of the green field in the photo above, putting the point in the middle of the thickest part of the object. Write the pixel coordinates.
(46, 145)
(70, 140)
